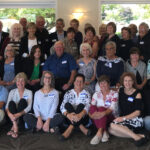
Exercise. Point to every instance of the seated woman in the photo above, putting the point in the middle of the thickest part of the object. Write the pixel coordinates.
(15, 35)
(138, 67)
(45, 105)
(9, 67)
(110, 65)
(92, 39)
(19, 103)
(103, 109)
(129, 122)
(35, 63)
(87, 67)
(75, 107)
(29, 40)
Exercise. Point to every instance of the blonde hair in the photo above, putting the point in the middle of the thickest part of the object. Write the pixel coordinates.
(31, 25)
(9, 45)
(110, 43)
(12, 28)
(87, 45)
(20, 76)
(145, 25)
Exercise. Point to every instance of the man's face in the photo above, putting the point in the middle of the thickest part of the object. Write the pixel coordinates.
(59, 25)
(40, 23)
(59, 49)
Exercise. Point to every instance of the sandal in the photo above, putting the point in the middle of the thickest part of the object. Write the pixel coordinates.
(14, 135)
(10, 132)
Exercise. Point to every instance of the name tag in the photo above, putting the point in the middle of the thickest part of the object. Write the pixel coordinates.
(123, 45)
(46, 40)
(54, 40)
(12, 64)
(74, 47)
(25, 97)
(130, 99)
(110, 65)
(83, 95)
(81, 64)
(107, 103)
(142, 42)
(42, 64)
(64, 62)
(39, 42)
(51, 95)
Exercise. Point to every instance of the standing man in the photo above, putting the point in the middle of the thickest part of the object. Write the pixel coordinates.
(23, 22)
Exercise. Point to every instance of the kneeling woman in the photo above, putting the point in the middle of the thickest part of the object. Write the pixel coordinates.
(19, 103)
(45, 105)
(75, 107)
(103, 109)
(130, 106)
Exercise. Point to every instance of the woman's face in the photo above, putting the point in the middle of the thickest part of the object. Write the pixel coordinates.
(78, 83)
(104, 86)
(89, 34)
(128, 82)
(9, 52)
(20, 83)
(110, 30)
(110, 51)
(70, 35)
(16, 31)
(142, 31)
(85, 52)
(31, 30)
(47, 79)
(125, 34)
(37, 53)
(134, 57)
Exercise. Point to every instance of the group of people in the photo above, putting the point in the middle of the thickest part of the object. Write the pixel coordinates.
(65, 81)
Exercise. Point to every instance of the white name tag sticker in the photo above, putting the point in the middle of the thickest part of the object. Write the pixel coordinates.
(25, 97)
(81, 64)
(12, 64)
(123, 45)
(142, 42)
(42, 64)
(51, 95)
(64, 62)
(130, 99)
(74, 47)
(54, 40)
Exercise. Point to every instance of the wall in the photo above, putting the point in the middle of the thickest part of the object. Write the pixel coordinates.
(90, 9)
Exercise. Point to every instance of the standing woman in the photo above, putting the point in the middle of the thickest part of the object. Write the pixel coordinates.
(45, 106)
(19, 103)
(75, 107)
(103, 109)
(28, 41)
(35, 63)
(92, 39)
(87, 67)
(129, 122)
(9, 67)
(15, 35)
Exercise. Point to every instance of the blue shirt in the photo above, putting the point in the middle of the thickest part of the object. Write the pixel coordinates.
(62, 66)
(3, 94)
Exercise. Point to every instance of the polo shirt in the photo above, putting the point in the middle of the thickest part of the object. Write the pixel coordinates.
(62, 66)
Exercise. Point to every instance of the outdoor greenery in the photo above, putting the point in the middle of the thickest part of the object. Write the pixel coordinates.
(30, 14)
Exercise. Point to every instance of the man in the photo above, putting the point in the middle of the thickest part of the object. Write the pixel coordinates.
(3, 100)
(60, 34)
(74, 23)
(23, 22)
(3, 35)
(63, 66)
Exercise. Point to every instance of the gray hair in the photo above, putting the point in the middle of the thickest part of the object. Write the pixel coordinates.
(9, 45)
(59, 42)
(52, 84)
(145, 25)
(21, 75)
(87, 45)
(111, 43)
(13, 26)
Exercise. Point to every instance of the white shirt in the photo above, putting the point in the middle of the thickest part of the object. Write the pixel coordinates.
(31, 43)
(45, 105)
(71, 97)
(14, 96)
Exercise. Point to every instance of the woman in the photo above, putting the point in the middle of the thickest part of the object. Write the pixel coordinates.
(35, 63)
(92, 39)
(28, 41)
(138, 67)
(75, 107)
(125, 43)
(133, 28)
(103, 109)
(111, 36)
(19, 103)
(144, 41)
(129, 121)
(15, 35)
(9, 67)
(110, 65)
(87, 67)
(45, 105)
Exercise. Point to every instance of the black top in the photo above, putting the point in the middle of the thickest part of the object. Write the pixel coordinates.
(17, 65)
(3, 36)
(78, 38)
(125, 46)
(129, 103)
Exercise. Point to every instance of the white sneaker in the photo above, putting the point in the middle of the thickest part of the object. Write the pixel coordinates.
(105, 137)
(95, 140)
